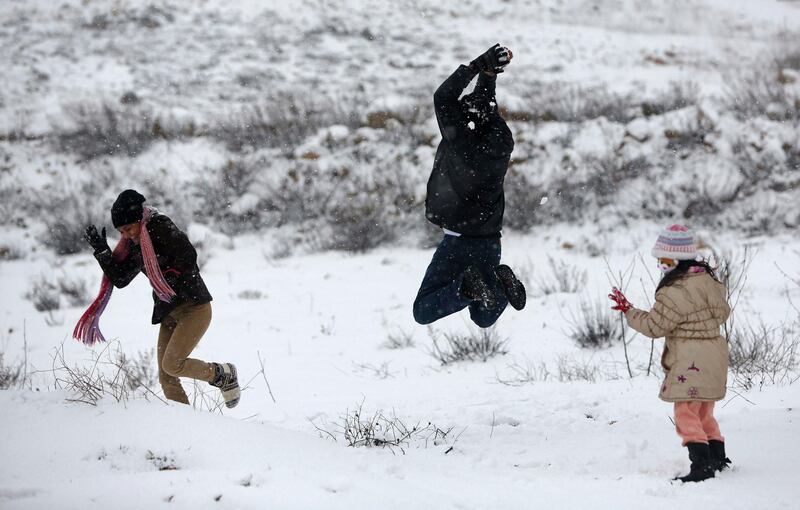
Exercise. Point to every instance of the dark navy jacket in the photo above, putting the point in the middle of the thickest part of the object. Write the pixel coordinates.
(465, 189)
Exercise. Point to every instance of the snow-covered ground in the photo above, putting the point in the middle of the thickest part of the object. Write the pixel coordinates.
(320, 327)
(545, 424)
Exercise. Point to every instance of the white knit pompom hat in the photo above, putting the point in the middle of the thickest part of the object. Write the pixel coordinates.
(675, 242)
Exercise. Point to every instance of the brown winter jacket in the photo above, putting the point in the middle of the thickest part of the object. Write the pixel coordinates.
(177, 259)
(689, 314)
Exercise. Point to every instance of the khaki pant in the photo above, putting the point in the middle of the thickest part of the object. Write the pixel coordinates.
(180, 333)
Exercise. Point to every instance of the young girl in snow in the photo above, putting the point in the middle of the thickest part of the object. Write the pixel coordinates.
(690, 307)
(150, 243)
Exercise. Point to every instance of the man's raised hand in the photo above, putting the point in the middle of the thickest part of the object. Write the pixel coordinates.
(492, 61)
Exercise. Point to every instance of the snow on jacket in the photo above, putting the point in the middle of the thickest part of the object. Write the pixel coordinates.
(465, 189)
(689, 314)
(177, 259)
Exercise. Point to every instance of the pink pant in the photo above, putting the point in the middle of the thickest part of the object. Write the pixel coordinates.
(695, 422)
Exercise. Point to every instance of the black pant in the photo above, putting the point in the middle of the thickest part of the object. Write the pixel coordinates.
(438, 295)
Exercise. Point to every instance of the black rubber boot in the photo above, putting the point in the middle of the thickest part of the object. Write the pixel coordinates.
(512, 287)
(475, 288)
(718, 458)
(702, 467)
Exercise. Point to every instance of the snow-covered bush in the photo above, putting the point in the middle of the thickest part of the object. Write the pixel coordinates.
(12, 202)
(609, 173)
(594, 326)
(286, 119)
(521, 374)
(399, 339)
(303, 192)
(472, 346)
(11, 375)
(767, 91)
(45, 291)
(226, 197)
(149, 17)
(585, 188)
(110, 129)
(359, 224)
(44, 295)
(108, 374)
(140, 371)
(569, 369)
(523, 198)
(765, 355)
(566, 102)
(677, 96)
(11, 252)
(690, 135)
(67, 207)
(64, 234)
(75, 289)
(562, 277)
(380, 429)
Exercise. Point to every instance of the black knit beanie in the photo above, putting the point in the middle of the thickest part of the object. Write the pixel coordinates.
(127, 208)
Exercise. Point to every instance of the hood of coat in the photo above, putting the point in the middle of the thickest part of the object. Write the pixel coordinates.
(478, 108)
(493, 140)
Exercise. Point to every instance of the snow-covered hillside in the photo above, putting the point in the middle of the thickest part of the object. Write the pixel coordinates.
(292, 141)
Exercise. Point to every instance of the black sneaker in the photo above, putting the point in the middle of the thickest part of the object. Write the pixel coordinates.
(512, 287)
(226, 380)
(475, 288)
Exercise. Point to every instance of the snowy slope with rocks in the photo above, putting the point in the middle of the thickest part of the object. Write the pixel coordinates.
(293, 141)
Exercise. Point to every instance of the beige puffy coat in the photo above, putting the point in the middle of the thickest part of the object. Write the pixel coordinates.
(689, 314)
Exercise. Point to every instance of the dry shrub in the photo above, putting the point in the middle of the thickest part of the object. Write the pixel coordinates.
(764, 355)
(386, 430)
(287, 119)
(111, 129)
(593, 326)
(563, 278)
(472, 346)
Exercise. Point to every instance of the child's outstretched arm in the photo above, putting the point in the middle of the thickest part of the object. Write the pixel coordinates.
(660, 321)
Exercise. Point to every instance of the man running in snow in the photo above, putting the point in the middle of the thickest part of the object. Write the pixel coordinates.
(465, 198)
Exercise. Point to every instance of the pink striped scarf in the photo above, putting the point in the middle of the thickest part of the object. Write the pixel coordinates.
(87, 330)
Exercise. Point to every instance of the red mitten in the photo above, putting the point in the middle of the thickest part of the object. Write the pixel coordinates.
(622, 303)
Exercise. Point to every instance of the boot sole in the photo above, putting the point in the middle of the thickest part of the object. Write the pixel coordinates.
(513, 288)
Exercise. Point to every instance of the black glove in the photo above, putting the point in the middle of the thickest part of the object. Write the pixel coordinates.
(97, 241)
(492, 61)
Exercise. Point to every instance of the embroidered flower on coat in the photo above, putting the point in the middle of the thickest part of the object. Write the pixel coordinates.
(682, 378)
(693, 367)
(693, 392)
